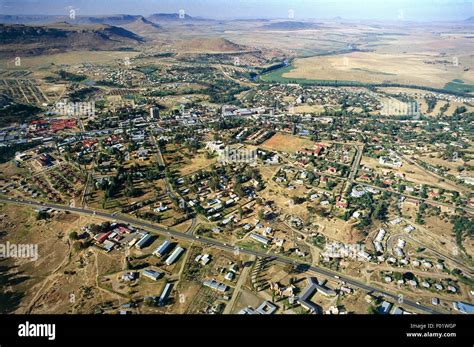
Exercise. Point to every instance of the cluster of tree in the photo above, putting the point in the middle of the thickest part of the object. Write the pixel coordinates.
(7, 153)
(462, 227)
(421, 213)
(69, 76)
(373, 209)
(431, 103)
(18, 113)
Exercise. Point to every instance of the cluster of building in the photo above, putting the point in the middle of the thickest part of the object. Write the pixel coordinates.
(164, 248)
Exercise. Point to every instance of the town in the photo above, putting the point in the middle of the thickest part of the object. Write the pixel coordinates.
(206, 183)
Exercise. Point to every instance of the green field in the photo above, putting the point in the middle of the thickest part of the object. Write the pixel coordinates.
(459, 86)
(276, 76)
(455, 87)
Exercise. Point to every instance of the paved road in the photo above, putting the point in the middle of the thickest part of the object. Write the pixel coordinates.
(304, 267)
(356, 163)
(192, 226)
(86, 189)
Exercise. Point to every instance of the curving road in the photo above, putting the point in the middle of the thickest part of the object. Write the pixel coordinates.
(304, 267)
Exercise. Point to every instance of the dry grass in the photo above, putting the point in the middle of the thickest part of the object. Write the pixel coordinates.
(286, 143)
(380, 68)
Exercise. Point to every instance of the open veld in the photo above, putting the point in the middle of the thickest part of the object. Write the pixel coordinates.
(376, 68)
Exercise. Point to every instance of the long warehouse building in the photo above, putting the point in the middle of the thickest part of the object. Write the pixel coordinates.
(174, 256)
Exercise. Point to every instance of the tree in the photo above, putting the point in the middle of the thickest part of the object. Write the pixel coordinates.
(380, 211)
(73, 235)
(149, 301)
(42, 215)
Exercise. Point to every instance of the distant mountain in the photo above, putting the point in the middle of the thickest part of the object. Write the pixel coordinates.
(470, 19)
(143, 27)
(30, 19)
(115, 20)
(60, 37)
(207, 45)
(135, 23)
(174, 17)
(130, 22)
(289, 25)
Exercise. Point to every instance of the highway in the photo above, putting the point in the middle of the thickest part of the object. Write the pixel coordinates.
(304, 267)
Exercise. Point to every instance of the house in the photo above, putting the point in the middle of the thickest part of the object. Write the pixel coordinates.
(385, 307)
(358, 191)
(396, 221)
(230, 276)
(248, 310)
(397, 310)
(108, 245)
(213, 284)
(205, 259)
(129, 276)
(342, 203)
(247, 227)
(282, 290)
(102, 237)
(260, 239)
(364, 255)
(152, 274)
(267, 231)
(266, 307)
(392, 161)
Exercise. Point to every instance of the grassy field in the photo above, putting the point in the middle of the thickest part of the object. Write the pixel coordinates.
(281, 76)
(286, 143)
(367, 68)
(459, 86)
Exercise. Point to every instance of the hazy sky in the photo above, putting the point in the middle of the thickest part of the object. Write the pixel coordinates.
(349, 9)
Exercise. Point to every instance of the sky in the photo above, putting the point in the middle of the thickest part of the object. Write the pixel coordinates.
(410, 10)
